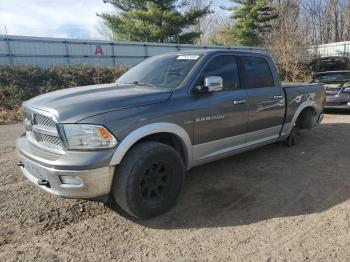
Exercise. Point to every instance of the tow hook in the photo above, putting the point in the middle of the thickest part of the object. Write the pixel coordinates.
(20, 164)
(44, 183)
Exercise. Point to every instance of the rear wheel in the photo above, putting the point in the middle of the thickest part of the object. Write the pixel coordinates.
(149, 180)
(293, 138)
(306, 120)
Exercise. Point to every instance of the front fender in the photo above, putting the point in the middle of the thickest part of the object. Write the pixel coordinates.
(150, 129)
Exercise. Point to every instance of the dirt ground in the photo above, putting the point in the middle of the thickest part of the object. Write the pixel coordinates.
(270, 204)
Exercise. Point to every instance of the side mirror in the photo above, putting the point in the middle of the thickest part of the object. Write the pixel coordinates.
(211, 84)
(214, 83)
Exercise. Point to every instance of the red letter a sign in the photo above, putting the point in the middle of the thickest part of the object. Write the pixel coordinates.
(98, 50)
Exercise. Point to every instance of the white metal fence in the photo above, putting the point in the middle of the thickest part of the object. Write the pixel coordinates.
(332, 49)
(45, 52)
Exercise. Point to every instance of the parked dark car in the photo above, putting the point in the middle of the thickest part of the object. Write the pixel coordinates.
(337, 84)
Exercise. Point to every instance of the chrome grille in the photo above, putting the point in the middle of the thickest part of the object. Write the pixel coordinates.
(48, 140)
(44, 121)
(42, 130)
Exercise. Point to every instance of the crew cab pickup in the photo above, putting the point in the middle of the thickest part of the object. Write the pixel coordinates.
(134, 139)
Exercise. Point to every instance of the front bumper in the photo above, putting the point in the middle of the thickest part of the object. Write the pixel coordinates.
(319, 119)
(340, 101)
(94, 181)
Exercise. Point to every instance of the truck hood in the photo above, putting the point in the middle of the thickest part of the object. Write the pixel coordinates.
(74, 104)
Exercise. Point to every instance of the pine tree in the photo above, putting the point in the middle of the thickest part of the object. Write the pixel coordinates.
(153, 21)
(251, 18)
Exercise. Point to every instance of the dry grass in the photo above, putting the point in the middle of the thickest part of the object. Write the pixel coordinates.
(8, 116)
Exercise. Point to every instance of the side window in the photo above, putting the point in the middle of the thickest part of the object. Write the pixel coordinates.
(256, 72)
(224, 66)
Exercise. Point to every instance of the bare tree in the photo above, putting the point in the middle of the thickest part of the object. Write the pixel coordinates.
(328, 21)
(287, 40)
(217, 32)
(204, 23)
(301, 24)
(105, 32)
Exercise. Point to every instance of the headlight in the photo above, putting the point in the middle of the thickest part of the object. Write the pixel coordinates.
(346, 90)
(88, 137)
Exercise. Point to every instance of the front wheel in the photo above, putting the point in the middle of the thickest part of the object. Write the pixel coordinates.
(149, 180)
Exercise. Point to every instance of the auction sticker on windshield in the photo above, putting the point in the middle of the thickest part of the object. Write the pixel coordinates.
(188, 57)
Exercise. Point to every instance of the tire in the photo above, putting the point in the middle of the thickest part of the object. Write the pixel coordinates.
(307, 120)
(293, 138)
(149, 180)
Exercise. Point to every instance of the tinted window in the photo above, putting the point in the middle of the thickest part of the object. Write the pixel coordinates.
(224, 66)
(256, 72)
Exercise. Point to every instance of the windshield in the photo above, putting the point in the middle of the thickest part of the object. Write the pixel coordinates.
(167, 71)
(332, 77)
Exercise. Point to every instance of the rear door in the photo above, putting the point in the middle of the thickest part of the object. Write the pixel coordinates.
(266, 99)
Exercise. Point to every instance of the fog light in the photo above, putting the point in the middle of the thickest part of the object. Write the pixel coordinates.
(72, 180)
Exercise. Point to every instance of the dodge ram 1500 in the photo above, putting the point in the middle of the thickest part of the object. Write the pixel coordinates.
(134, 139)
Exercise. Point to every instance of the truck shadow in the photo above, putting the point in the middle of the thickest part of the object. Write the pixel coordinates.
(270, 182)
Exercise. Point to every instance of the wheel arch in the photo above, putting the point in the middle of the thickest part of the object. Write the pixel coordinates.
(304, 106)
(304, 118)
(156, 132)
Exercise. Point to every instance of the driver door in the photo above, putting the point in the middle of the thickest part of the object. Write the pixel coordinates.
(220, 118)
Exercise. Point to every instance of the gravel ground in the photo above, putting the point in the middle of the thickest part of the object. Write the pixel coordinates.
(270, 204)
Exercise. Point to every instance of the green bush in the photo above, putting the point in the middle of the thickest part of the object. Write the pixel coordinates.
(20, 83)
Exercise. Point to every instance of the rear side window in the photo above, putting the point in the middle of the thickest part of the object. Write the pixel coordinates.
(256, 72)
(224, 66)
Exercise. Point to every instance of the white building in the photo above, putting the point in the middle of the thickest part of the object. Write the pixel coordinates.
(332, 49)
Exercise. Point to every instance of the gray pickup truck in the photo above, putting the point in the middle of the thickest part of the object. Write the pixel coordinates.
(134, 139)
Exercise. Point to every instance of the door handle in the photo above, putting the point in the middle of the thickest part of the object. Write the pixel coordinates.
(239, 102)
(278, 97)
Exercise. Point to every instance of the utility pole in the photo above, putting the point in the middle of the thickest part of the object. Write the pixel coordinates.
(178, 42)
(8, 47)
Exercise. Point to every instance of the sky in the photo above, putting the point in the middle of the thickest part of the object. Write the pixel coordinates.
(54, 18)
